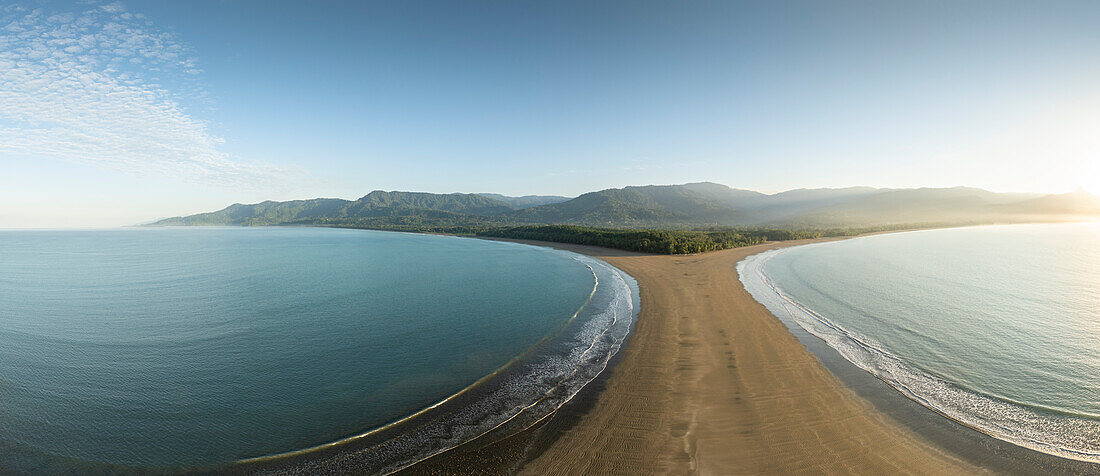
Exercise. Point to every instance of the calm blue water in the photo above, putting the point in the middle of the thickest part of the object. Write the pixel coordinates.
(189, 347)
(997, 327)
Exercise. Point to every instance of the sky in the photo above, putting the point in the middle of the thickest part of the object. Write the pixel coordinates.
(119, 113)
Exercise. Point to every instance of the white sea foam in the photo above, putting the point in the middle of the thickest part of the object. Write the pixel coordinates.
(515, 397)
(1049, 432)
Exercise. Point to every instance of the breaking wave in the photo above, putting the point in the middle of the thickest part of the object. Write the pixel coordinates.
(1063, 434)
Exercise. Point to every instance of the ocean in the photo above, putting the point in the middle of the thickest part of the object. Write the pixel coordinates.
(183, 348)
(995, 327)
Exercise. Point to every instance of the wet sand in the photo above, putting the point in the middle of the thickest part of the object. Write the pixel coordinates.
(710, 382)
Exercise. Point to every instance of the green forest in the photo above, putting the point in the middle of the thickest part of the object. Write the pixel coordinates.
(667, 219)
(656, 241)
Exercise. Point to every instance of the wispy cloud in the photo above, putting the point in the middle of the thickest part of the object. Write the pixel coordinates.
(92, 87)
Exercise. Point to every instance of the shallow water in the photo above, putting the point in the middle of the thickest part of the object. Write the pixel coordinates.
(176, 348)
(996, 327)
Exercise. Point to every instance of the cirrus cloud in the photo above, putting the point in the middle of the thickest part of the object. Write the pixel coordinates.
(103, 86)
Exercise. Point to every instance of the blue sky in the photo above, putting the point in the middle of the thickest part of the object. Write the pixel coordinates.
(117, 113)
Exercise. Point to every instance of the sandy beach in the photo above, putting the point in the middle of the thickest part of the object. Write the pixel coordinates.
(711, 383)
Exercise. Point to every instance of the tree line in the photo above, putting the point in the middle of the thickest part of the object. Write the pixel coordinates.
(656, 241)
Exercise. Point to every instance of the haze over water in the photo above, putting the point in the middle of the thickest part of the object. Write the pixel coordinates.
(185, 347)
(997, 327)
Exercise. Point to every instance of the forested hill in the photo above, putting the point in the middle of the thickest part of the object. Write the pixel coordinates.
(377, 206)
(526, 201)
(688, 206)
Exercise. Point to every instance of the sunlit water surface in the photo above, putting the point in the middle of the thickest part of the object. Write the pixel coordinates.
(192, 347)
(997, 327)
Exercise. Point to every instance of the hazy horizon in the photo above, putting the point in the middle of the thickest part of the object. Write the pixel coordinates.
(118, 113)
(549, 237)
(356, 197)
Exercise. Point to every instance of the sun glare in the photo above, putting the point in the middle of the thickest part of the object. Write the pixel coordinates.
(1092, 186)
(1090, 181)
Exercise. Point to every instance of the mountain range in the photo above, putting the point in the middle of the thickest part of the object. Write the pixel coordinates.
(694, 205)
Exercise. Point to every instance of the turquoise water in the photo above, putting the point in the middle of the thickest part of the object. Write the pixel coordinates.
(997, 327)
(177, 348)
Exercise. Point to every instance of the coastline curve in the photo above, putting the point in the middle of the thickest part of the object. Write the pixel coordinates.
(512, 398)
(1056, 435)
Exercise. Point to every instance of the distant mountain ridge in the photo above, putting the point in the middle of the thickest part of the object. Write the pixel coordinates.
(694, 205)
(526, 201)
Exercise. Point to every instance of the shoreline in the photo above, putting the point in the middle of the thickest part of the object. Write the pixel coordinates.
(711, 387)
(968, 441)
(601, 329)
(600, 324)
(826, 418)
